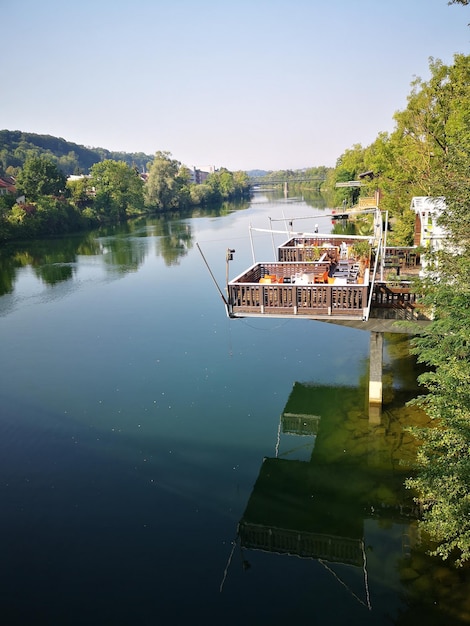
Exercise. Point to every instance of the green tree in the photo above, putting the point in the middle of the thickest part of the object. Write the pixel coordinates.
(443, 477)
(241, 183)
(40, 177)
(226, 185)
(80, 191)
(413, 159)
(348, 167)
(118, 189)
(220, 183)
(428, 154)
(183, 185)
(163, 184)
(200, 194)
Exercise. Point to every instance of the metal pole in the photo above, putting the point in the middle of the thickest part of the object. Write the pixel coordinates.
(212, 275)
(372, 282)
(272, 239)
(252, 248)
(228, 257)
(384, 248)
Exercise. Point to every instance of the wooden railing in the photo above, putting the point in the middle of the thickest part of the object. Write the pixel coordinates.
(312, 248)
(302, 289)
(393, 295)
(307, 253)
(303, 300)
(397, 300)
(402, 257)
(281, 270)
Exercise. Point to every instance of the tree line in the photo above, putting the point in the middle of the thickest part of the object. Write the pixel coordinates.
(428, 154)
(47, 203)
(416, 158)
(17, 146)
(439, 114)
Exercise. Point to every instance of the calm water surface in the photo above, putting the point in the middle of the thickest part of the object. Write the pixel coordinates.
(162, 464)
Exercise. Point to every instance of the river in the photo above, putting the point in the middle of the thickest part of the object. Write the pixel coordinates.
(163, 464)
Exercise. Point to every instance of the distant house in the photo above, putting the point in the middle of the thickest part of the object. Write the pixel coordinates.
(198, 175)
(7, 185)
(90, 191)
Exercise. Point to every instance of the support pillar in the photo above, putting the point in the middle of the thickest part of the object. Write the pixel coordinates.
(375, 375)
(286, 189)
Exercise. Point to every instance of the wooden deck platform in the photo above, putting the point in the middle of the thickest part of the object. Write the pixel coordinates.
(329, 288)
(296, 289)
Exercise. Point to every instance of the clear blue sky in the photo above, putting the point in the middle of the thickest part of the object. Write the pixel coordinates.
(269, 84)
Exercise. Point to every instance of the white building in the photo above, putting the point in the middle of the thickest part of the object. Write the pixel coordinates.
(428, 233)
(199, 174)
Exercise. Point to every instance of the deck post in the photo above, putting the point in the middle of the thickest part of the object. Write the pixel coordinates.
(375, 374)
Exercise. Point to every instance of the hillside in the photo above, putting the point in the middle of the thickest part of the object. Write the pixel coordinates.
(258, 173)
(71, 158)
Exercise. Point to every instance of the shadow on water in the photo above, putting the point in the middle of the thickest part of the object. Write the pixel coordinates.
(333, 491)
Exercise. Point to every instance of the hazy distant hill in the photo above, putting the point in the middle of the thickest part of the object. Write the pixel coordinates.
(71, 158)
(257, 173)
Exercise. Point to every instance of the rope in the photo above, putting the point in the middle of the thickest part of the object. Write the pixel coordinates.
(346, 587)
(264, 329)
(366, 580)
(234, 545)
(278, 442)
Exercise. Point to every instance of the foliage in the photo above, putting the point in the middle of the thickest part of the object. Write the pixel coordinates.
(163, 184)
(224, 185)
(168, 186)
(413, 160)
(200, 194)
(80, 191)
(348, 167)
(71, 158)
(361, 249)
(39, 177)
(118, 189)
(428, 154)
(113, 191)
(47, 216)
(443, 478)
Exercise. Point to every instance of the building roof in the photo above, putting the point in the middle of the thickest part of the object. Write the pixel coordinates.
(8, 182)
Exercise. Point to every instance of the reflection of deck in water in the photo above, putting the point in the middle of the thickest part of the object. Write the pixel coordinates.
(298, 509)
(320, 500)
(300, 424)
(305, 544)
(315, 506)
